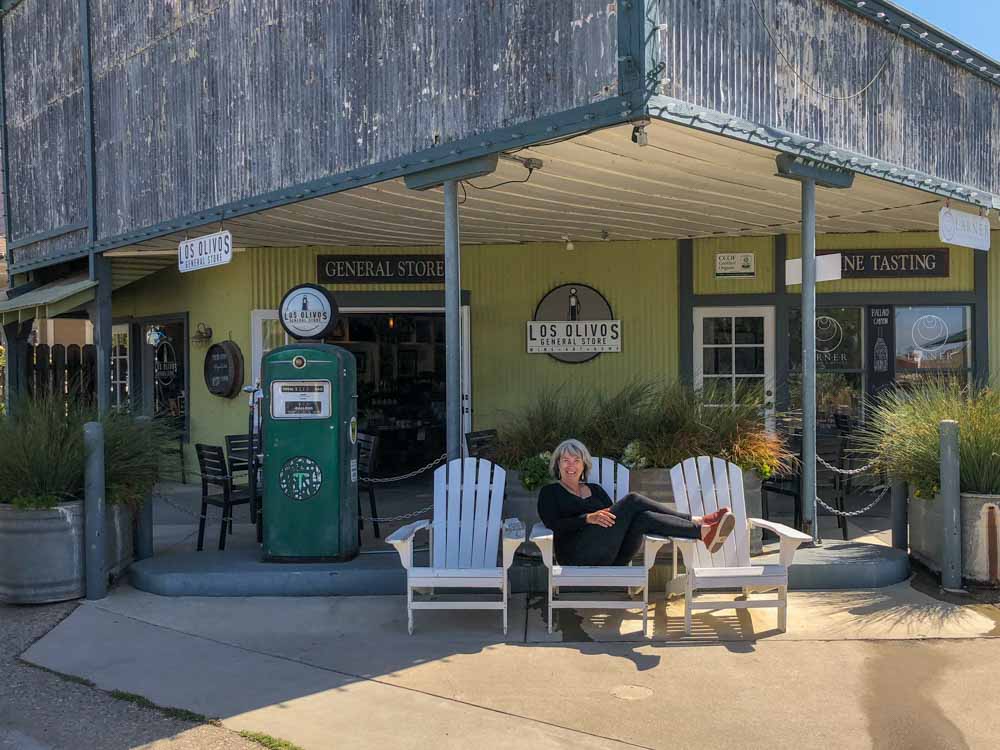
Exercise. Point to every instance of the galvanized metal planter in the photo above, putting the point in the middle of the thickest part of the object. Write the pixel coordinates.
(42, 551)
(926, 535)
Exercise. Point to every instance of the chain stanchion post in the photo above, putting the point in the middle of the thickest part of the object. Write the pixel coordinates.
(900, 526)
(951, 567)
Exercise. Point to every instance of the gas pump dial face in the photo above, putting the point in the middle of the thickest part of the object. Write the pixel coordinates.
(300, 478)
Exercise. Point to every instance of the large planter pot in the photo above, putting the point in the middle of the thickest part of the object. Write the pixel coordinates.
(927, 534)
(42, 551)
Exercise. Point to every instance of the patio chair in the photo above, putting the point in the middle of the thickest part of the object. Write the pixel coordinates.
(614, 478)
(238, 461)
(465, 537)
(367, 445)
(215, 473)
(480, 444)
(701, 486)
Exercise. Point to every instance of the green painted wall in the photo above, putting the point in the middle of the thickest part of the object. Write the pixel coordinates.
(961, 276)
(703, 263)
(994, 296)
(506, 282)
(219, 298)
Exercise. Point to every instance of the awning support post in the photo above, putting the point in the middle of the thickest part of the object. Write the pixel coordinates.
(100, 316)
(452, 320)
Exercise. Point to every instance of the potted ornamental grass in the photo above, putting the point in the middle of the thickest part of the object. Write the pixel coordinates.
(647, 426)
(902, 434)
(42, 461)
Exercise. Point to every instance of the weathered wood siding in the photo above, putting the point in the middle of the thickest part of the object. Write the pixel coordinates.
(45, 109)
(201, 103)
(923, 112)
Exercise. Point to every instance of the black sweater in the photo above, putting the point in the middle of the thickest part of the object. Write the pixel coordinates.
(565, 513)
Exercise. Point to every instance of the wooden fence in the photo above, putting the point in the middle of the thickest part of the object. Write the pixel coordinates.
(58, 370)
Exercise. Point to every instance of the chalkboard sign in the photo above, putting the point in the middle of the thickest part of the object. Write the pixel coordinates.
(881, 344)
(224, 369)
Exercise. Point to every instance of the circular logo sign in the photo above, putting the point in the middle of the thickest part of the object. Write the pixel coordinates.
(574, 323)
(829, 334)
(308, 311)
(930, 333)
(300, 478)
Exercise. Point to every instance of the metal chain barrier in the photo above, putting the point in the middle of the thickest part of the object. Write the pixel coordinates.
(851, 513)
(410, 475)
(845, 472)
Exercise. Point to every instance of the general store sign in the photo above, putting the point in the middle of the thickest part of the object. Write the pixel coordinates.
(579, 337)
(205, 251)
(967, 230)
(735, 265)
(573, 323)
(380, 269)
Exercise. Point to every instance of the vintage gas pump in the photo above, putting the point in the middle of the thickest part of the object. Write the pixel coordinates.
(309, 440)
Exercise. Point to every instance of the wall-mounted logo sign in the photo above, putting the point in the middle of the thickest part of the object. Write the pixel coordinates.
(205, 251)
(380, 269)
(735, 265)
(300, 478)
(574, 323)
(224, 369)
(308, 311)
(960, 228)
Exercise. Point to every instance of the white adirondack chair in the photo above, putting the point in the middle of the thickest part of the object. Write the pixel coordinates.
(701, 486)
(464, 538)
(614, 478)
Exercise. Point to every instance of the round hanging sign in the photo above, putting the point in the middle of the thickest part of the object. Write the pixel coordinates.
(308, 311)
(224, 369)
(574, 323)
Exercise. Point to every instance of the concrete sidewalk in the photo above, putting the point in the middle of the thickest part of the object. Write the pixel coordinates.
(884, 668)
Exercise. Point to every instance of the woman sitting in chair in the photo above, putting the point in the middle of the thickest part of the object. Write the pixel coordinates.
(591, 530)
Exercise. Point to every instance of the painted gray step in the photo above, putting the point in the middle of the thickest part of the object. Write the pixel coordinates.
(240, 572)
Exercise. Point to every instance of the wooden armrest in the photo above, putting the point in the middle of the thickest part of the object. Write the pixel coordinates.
(540, 532)
(650, 546)
(406, 533)
(785, 532)
(513, 530)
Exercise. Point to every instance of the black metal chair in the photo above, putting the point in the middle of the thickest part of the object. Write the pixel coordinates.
(367, 445)
(215, 473)
(238, 461)
(481, 444)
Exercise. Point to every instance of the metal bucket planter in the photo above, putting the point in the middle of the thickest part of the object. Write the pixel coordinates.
(979, 563)
(42, 551)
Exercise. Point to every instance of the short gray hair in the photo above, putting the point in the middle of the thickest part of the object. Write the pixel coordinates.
(573, 447)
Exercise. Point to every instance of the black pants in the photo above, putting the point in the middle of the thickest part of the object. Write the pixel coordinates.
(635, 515)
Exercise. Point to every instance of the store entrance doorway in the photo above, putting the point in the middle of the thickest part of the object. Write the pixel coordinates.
(401, 362)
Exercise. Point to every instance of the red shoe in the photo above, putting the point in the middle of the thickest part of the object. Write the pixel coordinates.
(717, 515)
(719, 531)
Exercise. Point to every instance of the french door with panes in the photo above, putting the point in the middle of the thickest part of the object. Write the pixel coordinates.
(734, 356)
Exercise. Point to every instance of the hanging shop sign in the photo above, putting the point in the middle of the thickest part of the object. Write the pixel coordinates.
(960, 228)
(735, 265)
(308, 311)
(224, 369)
(881, 344)
(380, 269)
(573, 323)
(205, 251)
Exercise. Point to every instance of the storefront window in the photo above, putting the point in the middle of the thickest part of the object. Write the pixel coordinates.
(733, 359)
(933, 342)
(839, 362)
(119, 366)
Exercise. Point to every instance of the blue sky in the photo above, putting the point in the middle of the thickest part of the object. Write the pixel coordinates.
(975, 22)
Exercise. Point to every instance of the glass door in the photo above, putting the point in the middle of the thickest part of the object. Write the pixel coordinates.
(734, 356)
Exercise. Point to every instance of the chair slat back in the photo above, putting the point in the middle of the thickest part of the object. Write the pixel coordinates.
(238, 453)
(468, 502)
(703, 485)
(613, 477)
(366, 454)
(212, 464)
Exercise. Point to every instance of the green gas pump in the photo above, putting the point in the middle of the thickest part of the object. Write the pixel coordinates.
(309, 440)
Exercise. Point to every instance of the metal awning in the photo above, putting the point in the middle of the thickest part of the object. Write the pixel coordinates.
(49, 300)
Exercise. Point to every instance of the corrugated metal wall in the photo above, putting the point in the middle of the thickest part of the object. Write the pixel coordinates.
(922, 112)
(994, 296)
(43, 87)
(506, 283)
(703, 265)
(961, 271)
